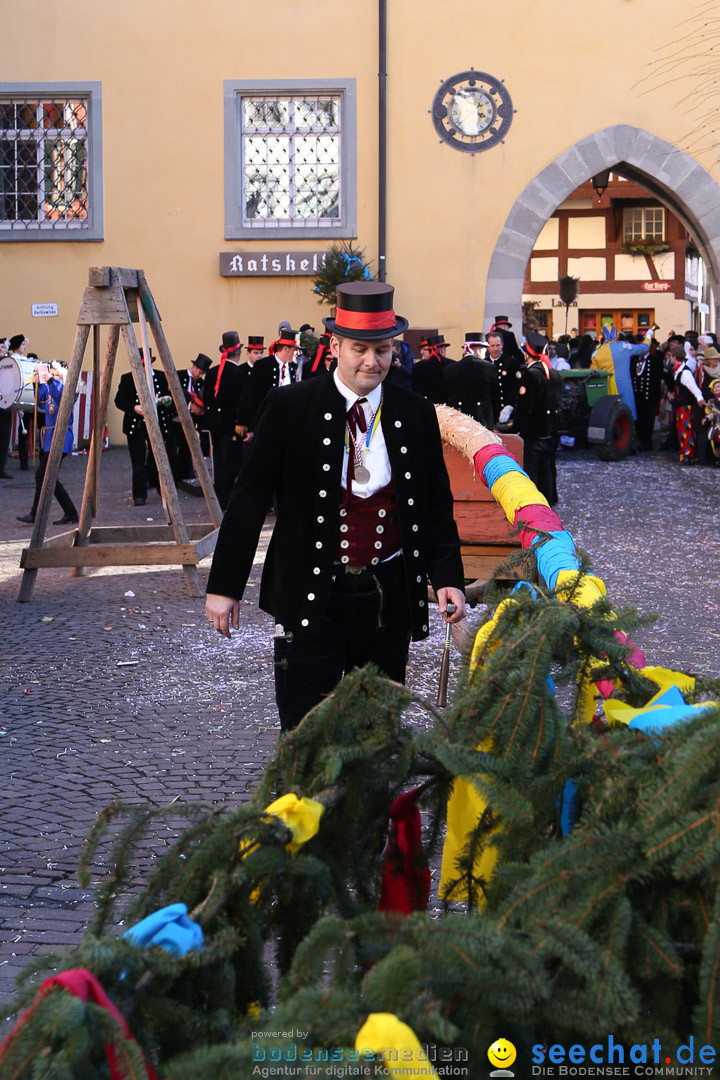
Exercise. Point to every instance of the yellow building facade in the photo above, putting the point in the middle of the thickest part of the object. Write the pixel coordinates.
(254, 131)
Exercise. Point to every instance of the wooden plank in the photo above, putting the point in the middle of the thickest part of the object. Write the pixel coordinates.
(122, 275)
(496, 551)
(105, 306)
(206, 546)
(484, 566)
(111, 555)
(55, 457)
(62, 540)
(127, 534)
(482, 522)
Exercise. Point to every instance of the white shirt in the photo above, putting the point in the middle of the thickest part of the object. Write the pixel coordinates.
(375, 458)
(283, 378)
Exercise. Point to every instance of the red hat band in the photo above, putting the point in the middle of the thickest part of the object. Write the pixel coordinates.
(365, 320)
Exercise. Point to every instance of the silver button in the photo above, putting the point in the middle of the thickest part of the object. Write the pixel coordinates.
(416, 554)
(343, 513)
(374, 562)
(415, 528)
(398, 423)
(382, 513)
(322, 494)
(421, 603)
(408, 475)
(380, 529)
(424, 627)
(411, 502)
(344, 558)
(328, 416)
(311, 596)
(326, 442)
(305, 622)
(419, 579)
(318, 544)
(316, 569)
(344, 528)
(344, 543)
(320, 520)
(403, 449)
(378, 544)
(326, 467)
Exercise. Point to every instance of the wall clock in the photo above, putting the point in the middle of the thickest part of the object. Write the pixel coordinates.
(472, 111)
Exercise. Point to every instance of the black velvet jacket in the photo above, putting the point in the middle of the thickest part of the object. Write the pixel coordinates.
(297, 454)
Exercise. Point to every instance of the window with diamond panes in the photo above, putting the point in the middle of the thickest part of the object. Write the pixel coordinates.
(291, 159)
(44, 166)
(644, 223)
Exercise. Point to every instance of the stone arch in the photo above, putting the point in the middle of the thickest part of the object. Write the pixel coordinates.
(667, 172)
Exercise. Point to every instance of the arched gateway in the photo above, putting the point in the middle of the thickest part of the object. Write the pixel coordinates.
(668, 173)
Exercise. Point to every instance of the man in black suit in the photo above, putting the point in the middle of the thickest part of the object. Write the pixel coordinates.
(191, 382)
(427, 374)
(280, 368)
(509, 372)
(471, 385)
(221, 393)
(142, 459)
(365, 515)
(536, 417)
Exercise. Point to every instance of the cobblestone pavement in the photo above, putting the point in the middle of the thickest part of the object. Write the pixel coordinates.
(115, 686)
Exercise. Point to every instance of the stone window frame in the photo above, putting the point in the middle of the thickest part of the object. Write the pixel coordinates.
(51, 231)
(346, 225)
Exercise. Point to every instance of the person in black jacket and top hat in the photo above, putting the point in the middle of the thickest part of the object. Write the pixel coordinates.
(255, 349)
(221, 393)
(142, 459)
(471, 385)
(508, 370)
(502, 324)
(278, 369)
(191, 382)
(364, 515)
(427, 375)
(536, 416)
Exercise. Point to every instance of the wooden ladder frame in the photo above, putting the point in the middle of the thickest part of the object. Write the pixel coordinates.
(117, 298)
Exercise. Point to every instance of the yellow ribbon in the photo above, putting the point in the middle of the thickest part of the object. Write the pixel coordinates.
(513, 490)
(403, 1056)
(302, 817)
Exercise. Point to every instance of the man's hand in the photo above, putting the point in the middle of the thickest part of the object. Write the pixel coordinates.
(241, 430)
(223, 612)
(139, 410)
(452, 596)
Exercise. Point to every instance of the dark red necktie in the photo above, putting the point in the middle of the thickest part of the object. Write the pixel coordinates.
(356, 421)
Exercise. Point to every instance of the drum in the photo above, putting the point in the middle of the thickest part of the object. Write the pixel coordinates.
(17, 390)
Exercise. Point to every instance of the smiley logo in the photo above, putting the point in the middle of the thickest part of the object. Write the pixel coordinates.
(502, 1053)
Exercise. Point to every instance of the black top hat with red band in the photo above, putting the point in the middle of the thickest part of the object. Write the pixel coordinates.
(365, 312)
(288, 337)
(230, 342)
(436, 340)
(255, 342)
(502, 320)
(534, 344)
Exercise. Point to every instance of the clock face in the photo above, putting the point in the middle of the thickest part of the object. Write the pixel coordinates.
(472, 111)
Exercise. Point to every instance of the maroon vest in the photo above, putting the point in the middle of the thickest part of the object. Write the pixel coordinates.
(369, 528)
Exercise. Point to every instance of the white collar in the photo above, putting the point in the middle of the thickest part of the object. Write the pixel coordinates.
(373, 397)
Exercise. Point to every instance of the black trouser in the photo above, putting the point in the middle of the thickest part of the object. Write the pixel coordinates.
(539, 464)
(5, 435)
(645, 423)
(227, 458)
(144, 469)
(23, 439)
(179, 452)
(61, 494)
(367, 621)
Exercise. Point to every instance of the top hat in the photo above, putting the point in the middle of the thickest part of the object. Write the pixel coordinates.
(535, 343)
(230, 342)
(203, 362)
(436, 339)
(475, 338)
(502, 320)
(365, 312)
(16, 341)
(288, 337)
(306, 326)
(255, 342)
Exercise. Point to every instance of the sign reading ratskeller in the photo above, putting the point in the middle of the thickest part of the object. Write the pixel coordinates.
(270, 263)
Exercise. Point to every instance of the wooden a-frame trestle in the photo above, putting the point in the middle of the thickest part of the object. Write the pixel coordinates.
(117, 298)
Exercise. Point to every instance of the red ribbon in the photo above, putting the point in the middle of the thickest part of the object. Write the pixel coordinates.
(82, 984)
(406, 875)
(365, 320)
